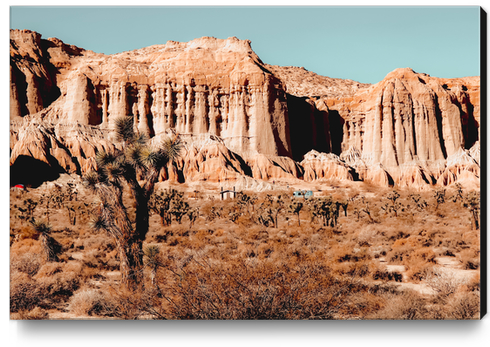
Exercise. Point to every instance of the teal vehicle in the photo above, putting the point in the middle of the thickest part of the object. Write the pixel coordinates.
(303, 193)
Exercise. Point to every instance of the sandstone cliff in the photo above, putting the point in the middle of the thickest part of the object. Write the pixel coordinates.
(410, 120)
(238, 116)
(207, 85)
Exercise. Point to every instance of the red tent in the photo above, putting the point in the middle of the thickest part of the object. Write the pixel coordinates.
(20, 186)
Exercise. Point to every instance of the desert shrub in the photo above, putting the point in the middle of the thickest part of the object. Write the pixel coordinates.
(464, 305)
(419, 271)
(218, 249)
(257, 290)
(28, 263)
(348, 252)
(444, 281)
(399, 253)
(90, 302)
(473, 283)
(420, 263)
(25, 232)
(425, 253)
(379, 273)
(120, 303)
(55, 284)
(451, 246)
(73, 266)
(469, 259)
(49, 269)
(100, 242)
(365, 236)
(23, 292)
(89, 273)
(92, 258)
(264, 250)
(45, 286)
(364, 304)
(399, 235)
(406, 305)
(36, 313)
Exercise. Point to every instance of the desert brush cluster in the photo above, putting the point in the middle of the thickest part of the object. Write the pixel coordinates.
(118, 245)
(259, 256)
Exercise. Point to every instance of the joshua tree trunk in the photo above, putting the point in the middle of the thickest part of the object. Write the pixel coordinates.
(142, 217)
(131, 265)
(475, 223)
(153, 279)
(47, 244)
(128, 241)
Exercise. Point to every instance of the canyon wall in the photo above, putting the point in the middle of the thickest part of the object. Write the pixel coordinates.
(238, 116)
(411, 121)
(204, 86)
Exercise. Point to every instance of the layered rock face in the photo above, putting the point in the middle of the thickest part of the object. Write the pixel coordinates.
(411, 123)
(205, 86)
(410, 116)
(238, 116)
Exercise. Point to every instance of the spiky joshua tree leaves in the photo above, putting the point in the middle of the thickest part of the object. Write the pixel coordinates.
(137, 166)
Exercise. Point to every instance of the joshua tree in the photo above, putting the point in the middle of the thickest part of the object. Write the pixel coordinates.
(152, 261)
(345, 205)
(269, 209)
(420, 204)
(366, 210)
(357, 212)
(472, 203)
(246, 203)
(50, 200)
(179, 207)
(69, 196)
(394, 206)
(326, 209)
(160, 202)
(459, 193)
(440, 196)
(214, 213)
(295, 207)
(30, 206)
(138, 165)
(61, 197)
(193, 213)
(50, 245)
(233, 214)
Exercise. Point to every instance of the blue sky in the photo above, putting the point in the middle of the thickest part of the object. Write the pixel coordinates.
(359, 43)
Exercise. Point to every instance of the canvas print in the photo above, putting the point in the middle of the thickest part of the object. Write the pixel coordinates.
(190, 163)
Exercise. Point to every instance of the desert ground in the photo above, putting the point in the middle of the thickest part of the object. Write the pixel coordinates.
(389, 254)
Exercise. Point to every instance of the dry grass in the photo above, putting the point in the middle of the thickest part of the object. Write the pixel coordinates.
(217, 268)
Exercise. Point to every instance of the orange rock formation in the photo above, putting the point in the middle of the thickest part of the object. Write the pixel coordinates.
(238, 116)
